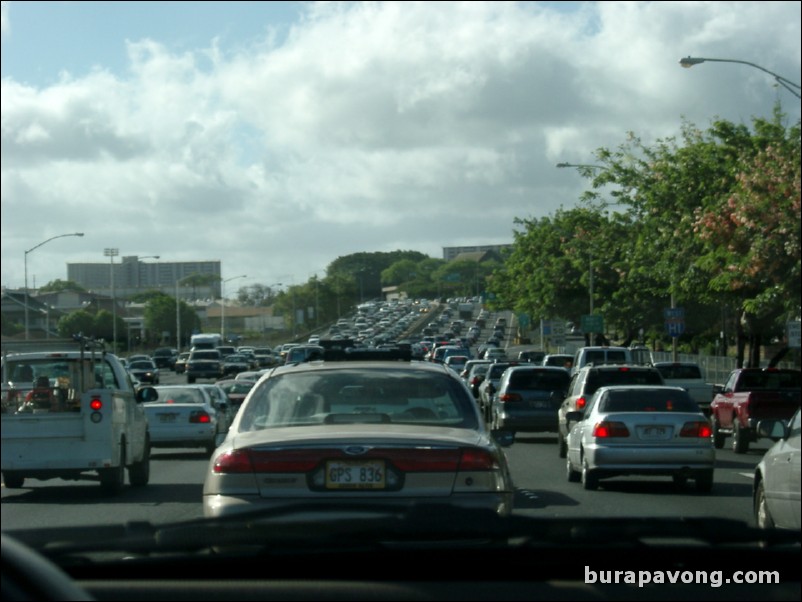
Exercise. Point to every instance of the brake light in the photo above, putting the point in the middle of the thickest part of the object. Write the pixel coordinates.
(581, 402)
(200, 416)
(510, 397)
(477, 459)
(699, 429)
(96, 404)
(608, 429)
(233, 462)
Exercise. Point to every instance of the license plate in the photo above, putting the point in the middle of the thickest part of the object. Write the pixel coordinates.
(166, 417)
(655, 432)
(540, 405)
(355, 475)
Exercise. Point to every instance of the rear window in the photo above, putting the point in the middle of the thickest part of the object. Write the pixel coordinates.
(539, 380)
(648, 401)
(680, 372)
(769, 380)
(624, 376)
(205, 355)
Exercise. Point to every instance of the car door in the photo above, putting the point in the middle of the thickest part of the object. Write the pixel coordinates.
(782, 478)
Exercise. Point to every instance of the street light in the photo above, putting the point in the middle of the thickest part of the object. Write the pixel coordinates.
(689, 62)
(223, 306)
(111, 254)
(585, 166)
(26, 272)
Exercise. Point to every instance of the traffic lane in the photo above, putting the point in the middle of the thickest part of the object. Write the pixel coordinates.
(542, 488)
(174, 494)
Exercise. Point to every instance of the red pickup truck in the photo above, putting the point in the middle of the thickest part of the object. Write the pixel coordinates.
(751, 395)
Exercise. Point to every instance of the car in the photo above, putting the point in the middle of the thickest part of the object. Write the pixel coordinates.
(640, 430)
(221, 402)
(204, 363)
(456, 362)
(561, 360)
(531, 356)
(776, 481)
(145, 371)
(528, 399)
(235, 363)
(184, 416)
(181, 362)
(489, 386)
(365, 428)
(236, 391)
(476, 376)
(494, 353)
(601, 354)
(164, 357)
(586, 381)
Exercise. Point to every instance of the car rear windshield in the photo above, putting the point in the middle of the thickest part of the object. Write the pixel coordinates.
(354, 396)
(179, 395)
(680, 371)
(648, 401)
(770, 380)
(621, 376)
(540, 380)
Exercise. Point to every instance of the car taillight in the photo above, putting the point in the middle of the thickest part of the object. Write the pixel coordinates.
(200, 416)
(233, 462)
(699, 429)
(580, 403)
(607, 429)
(477, 459)
(96, 404)
(510, 397)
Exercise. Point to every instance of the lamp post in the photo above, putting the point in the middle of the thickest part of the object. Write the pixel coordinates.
(792, 87)
(223, 305)
(582, 165)
(26, 272)
(111, 254)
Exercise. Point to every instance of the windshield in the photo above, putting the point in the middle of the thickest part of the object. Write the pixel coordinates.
(308, 220)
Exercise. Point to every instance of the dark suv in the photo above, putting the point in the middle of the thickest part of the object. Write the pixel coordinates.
(587, 380)
(204, 363)
(164, 357)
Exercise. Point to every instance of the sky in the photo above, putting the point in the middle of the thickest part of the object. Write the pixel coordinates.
(275, 137)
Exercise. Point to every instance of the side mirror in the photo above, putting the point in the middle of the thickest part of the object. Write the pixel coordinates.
(574, 416)
(503, 438)
(146, 394)
(773, 429)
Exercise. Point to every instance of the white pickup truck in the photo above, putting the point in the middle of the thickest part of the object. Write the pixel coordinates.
(688, 375)
(69, 408)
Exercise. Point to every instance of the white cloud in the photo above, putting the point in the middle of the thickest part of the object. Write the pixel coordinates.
(372, 126)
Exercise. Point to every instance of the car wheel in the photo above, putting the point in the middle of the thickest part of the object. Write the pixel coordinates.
(139, 472)
(704, 482)
(190, 379)
(113, 479)
(572, 474)
(740, 442)
(762, 515)
(562, 446)
(590, 480)
(718, 436)
(13, 480)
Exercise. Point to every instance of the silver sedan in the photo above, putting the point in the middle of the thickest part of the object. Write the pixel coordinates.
(640, 430)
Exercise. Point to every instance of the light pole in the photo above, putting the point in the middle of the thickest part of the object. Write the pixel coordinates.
(223, 305)
(26, 272)
(582, 165)
(111, 254)
(792, 87)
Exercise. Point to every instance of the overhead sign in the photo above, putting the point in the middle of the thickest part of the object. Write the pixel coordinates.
(793, 334)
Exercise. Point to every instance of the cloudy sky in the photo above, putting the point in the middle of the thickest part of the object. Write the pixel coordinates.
(276, 137)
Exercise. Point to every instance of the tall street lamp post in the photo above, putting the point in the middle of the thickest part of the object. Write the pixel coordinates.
(111, 254)
(223, 305)
(792, 87)
(27, 328)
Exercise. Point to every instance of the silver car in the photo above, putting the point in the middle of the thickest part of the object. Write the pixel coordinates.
(356, 431)
(640, 430)
(776, 485)
(184, 416)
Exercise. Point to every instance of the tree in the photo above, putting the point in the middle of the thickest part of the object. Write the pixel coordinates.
(80, 321)
(160, 317)
(58, 286)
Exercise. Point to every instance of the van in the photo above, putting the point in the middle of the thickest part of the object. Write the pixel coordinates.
(600, 356)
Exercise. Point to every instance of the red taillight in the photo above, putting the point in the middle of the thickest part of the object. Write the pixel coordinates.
(96, 404)
(234, 462)
(510, 397)
(581, 402)
(699, 429)
(200, 416)
(607, 429)
(477, 459)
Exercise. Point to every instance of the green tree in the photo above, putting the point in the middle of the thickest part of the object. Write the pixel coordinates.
(80, 321)
(58, 286)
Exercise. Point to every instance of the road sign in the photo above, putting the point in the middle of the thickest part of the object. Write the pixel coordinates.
(675, 320)
(793, 334)
(592, 323)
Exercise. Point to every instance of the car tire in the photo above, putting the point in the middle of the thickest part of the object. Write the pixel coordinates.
(562, 446)
(590, 480)
(718, 436)
(571, 474)
(704, 482)
(139, 472)
(762, 515)
(13, 480)
(112, 480)
(680, 481)
(740, 441)
(190, 380)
